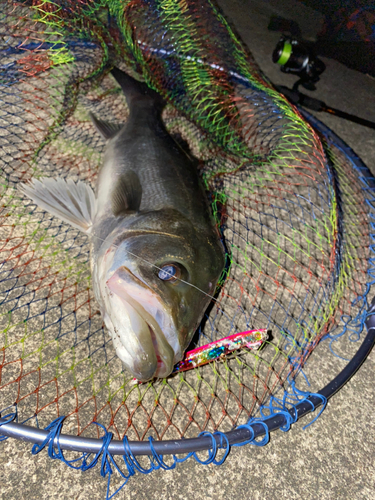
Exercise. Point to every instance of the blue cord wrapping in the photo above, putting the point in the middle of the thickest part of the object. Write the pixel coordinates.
(156, 461)
(108, 463)
(252, 439)
(53, 441)
(131, 462)
(297, 393)
(289, 401)
(9, 417)
(281, 406)
(212, 452)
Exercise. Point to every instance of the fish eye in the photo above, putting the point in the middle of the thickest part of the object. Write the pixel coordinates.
(169, 272)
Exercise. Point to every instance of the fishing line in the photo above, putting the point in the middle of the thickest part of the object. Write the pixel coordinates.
(160, 269)
(156, 267)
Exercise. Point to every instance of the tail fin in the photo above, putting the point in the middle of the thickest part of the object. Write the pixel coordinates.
(137, 92)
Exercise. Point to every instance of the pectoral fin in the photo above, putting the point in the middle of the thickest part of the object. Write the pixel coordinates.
(127, 194)
(71, 202)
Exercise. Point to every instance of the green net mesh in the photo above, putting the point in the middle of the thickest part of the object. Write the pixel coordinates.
(292, 208)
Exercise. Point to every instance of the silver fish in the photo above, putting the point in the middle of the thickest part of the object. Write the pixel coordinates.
(155, 251)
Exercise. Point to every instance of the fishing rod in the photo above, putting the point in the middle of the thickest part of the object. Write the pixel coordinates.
(294, 57)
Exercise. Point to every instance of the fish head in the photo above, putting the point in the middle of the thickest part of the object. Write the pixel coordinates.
(156, 287)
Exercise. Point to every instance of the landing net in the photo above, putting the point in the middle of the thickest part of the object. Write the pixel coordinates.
(293, 209)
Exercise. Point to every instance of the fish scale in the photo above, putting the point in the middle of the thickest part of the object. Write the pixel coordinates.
(164, 184)
(156, 255)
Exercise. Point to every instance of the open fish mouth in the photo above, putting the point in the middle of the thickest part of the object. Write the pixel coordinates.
(138, 337)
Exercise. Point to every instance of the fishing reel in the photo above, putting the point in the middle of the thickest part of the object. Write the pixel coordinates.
(296, 58)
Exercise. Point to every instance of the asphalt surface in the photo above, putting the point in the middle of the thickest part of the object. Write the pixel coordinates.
(331, 459)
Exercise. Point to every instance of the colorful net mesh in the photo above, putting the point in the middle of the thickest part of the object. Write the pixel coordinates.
(293, 209)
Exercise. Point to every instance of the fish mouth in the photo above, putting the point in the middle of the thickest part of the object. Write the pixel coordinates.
(141, 343)
(161, 366)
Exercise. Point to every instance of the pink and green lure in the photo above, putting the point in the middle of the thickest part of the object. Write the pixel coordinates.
(251, 339)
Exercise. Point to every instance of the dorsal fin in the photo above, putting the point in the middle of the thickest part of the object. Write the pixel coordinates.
(127, 194)
(105, 129)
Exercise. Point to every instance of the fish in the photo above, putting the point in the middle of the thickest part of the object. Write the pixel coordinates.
(156, 254)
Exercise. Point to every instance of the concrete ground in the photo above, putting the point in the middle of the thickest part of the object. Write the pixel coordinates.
(333, 458)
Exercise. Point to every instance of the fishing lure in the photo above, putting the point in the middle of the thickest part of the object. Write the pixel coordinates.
(252, 339)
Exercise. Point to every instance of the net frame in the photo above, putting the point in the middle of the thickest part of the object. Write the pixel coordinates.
(244, 435)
